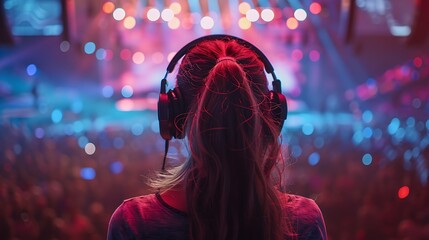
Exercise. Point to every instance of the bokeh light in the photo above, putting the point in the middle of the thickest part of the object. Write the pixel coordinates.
(243, 7)
(418, 62)
(252, 15)
(125, 54)
(267, 15)
(315, 8)
(65, 46)
(137, 129)
(307, 129)
(39, 133)
(107, 91)
(31, 70)
(297, 55)
(119, 14)
(157, 57)
(314, 55)
(367, 116)
(138, 57)
(87, 173)
(170, 56)
(300, 14)
(174, 23)
(116, 167)
(127, 91)
(100, 54)
(90, 148)
(56, 116)
(207, 22)
(314, 158)
(292, 23)
(89, 47)
(108, 7)
(403, 192)
(129, 22)
(367, 159)
(176, 7)
(167, 14)
(153, 14)
(244, 23)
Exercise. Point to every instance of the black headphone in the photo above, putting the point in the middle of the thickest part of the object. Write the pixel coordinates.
(171, 104)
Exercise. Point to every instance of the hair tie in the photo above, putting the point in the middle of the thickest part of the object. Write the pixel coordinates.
(224, 59)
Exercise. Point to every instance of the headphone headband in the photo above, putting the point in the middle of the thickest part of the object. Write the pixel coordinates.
(171, 107)
(185, 49)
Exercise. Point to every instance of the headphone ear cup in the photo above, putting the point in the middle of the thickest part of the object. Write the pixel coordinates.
(278, 107)
(176, 113)
(163, 116)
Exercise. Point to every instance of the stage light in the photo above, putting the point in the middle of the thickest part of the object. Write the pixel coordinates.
(108, 54)
(31, 70)
(367, 159)
(127, 91)
(297, 55)
(90, 148)
(174, 23)
(292, 23)
(367, 132)
(244, 23)
(315, 8)
(56, 116)
(243, 7)
(267, 15)
(296, 151)
(170, 56)
(116, 167)
(39, 133)
(314, 55)
(367, 116)
(176, 7)
(207, 22)
(416, 103)
(418, 62)
(252, 15)
(319, 142)
(65, 46)
(118, 142)
(307, 129)
(167, 14)
(138, 57)
(393, 126)
(129, 22)
(100, 54)
(107, 91)
(300, 14)
(314, 159)
(403, 192)
(157, 57)
(76, 106)
(108, 7)
(87, 173)
(125, 54)
(89, 48)
(78, 126)
(137, 129)
(153, 14)
(82, 141)
(119, 14)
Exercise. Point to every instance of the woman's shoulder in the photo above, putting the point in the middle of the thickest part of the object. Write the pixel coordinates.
(299, 204)
(304, 215)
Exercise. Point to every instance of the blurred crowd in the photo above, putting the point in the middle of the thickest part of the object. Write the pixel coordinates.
(52, 187)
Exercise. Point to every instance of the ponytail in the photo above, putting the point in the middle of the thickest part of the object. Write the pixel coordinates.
(233, 145)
